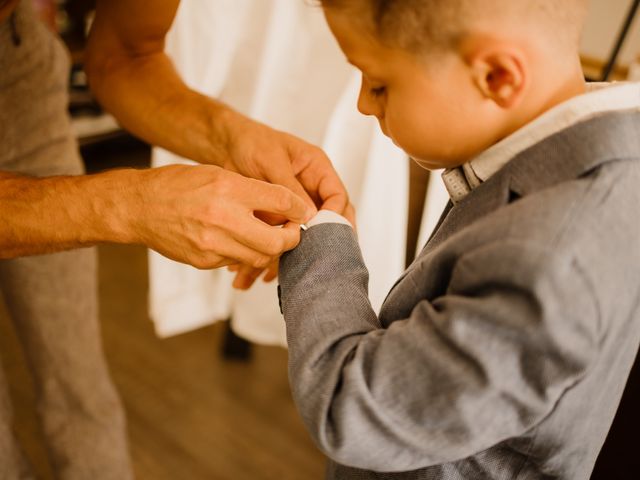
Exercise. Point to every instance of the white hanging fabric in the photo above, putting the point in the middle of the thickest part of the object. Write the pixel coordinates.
(202, 43)
(276, 61)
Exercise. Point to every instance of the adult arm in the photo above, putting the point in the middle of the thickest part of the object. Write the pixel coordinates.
(135, 80)
(483, 363)
(201, 215)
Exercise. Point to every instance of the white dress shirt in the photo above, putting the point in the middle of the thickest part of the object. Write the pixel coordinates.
(600, 98)
(326, 216)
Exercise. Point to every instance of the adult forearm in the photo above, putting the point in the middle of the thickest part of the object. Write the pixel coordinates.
(158, 107)
(44, 215)
(134, 79)
(201, 215)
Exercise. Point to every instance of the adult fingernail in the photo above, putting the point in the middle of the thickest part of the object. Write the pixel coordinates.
(311, 212)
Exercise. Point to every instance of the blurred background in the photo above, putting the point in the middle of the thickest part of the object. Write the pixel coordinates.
(201, 368)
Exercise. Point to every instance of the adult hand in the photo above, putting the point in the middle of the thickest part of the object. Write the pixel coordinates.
(132, 76)
(206, 216)
(247, 275)
(257, 151)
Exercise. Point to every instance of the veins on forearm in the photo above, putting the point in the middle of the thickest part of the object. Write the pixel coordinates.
(39, 215)
(149, 98)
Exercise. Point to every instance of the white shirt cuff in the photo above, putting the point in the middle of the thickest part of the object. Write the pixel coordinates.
(327, 216)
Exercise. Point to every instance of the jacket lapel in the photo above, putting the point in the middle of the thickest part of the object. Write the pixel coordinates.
(566, 155)
(483, 200)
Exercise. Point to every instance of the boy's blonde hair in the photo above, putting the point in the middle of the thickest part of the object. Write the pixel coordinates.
(418, 25)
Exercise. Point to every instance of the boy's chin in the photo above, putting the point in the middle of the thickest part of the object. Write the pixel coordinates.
(435, 164)
(428, 164)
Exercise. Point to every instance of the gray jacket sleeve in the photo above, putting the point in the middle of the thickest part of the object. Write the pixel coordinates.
(484, 362)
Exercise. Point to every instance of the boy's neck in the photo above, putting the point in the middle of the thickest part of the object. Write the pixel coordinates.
(545, 99)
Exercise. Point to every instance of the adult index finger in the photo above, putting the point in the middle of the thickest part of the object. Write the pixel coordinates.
(279, 200)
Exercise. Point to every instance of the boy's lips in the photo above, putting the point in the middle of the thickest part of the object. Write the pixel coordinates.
(383, 128)
(386, 134)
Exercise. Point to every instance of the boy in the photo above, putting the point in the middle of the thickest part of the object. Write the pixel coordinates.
(504, 349)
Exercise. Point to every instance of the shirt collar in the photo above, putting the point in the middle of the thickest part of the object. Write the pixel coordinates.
(600, 98)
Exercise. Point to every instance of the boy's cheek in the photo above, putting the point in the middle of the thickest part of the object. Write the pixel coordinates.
(404, 135)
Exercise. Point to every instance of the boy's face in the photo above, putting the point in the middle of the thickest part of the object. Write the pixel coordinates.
(432, 110)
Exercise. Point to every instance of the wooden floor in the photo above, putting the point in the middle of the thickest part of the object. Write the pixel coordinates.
(192, 415)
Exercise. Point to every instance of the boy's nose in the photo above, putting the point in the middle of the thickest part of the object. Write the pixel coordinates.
(366, 104)
(363, 105)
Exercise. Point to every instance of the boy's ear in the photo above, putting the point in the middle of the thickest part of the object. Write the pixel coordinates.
(499, 73)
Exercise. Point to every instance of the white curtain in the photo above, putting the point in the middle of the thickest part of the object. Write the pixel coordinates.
(276, 61)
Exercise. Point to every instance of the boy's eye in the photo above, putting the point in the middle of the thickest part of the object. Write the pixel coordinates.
(378, 91)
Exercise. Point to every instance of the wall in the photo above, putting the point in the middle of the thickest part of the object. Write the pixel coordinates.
(604, 23)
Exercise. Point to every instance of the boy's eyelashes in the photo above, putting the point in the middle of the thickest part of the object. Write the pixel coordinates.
(377, 91)
(376, 88)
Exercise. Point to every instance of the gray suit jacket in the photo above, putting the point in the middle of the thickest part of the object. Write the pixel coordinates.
(503, 351)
